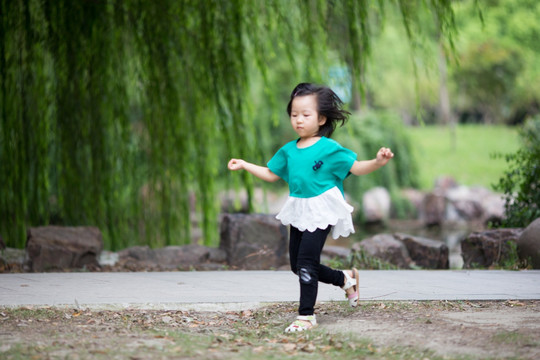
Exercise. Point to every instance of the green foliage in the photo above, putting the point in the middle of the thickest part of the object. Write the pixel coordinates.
(366, 134)
(493, 65)
(498, 72)
(512, 261)
(521, 182)
(119, 114)
(401, 75)
(362, 260)
(486, 78)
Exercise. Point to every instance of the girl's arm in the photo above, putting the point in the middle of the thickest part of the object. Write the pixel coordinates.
(261, 172)
(366, 166)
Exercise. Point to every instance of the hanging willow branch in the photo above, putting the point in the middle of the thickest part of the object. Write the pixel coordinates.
(118, 114)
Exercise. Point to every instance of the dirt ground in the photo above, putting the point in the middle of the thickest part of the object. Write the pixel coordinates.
(508, 329)
(376, 330)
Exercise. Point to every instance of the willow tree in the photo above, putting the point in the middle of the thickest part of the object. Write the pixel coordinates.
(118, 114)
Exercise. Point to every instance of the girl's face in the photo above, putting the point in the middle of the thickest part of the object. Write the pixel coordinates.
(305, 118)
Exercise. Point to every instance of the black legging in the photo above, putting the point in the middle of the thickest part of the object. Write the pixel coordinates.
(305, 255)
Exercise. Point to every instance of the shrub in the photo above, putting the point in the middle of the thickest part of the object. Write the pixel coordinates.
(521, 182)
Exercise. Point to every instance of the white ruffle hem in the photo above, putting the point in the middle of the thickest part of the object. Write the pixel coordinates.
(328, 208)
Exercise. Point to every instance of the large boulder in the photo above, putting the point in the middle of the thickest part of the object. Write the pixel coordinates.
(529, 244)
(487, 248)
(427, 253)
(52, 248)
(254, 241)
(385, 247)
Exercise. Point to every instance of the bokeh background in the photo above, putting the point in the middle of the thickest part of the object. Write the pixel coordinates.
(123, 114)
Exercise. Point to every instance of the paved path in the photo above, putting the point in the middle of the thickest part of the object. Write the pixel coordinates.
(231, 290)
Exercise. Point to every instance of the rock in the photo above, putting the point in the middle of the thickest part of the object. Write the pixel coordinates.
(387, 248)
(492, 205)
(433, 209)
(376, 204)
(336, 252)
(487, 248)
(474, 204)
(108, 258)
(182, 257)
(140, 253)
(464, 203)
(13, 256)
(427, 253)
(56, 248)
(172, 257)
(254, 242)
(529, 244)
(12, 260)
(331, 253)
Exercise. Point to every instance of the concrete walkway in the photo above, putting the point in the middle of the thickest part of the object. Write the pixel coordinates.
(235, 290)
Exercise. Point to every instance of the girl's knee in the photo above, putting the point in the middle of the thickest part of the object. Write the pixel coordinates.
(307, 274)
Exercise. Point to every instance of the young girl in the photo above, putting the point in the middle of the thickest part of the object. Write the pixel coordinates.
(315, 166)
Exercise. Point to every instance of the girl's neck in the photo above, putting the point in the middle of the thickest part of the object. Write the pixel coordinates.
(307, 142)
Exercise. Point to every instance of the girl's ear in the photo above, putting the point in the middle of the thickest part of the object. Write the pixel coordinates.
(322, 120)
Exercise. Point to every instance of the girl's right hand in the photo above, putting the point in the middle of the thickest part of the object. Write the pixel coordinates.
(236, 164)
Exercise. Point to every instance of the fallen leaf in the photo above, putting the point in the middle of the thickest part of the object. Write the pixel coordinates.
(515, 303)
(289, 347)
(326, 348)
(309, 348)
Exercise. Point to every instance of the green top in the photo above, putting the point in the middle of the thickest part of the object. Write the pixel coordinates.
(313, 170)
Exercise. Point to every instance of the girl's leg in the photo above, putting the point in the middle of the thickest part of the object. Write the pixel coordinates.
(326, 274)
(294, 244)
(308, 267)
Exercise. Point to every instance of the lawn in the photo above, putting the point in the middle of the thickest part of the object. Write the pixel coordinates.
(469, 159)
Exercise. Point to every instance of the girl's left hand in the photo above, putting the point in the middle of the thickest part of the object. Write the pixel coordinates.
(384, 155)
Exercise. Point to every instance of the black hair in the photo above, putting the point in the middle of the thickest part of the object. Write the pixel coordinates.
(328, 105)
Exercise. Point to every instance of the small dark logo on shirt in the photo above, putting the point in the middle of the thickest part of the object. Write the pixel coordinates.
(317, 165)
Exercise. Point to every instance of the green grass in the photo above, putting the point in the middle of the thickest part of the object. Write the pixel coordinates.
(469, 159)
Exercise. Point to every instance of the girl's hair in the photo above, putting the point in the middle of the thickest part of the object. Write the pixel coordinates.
(328, 104)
